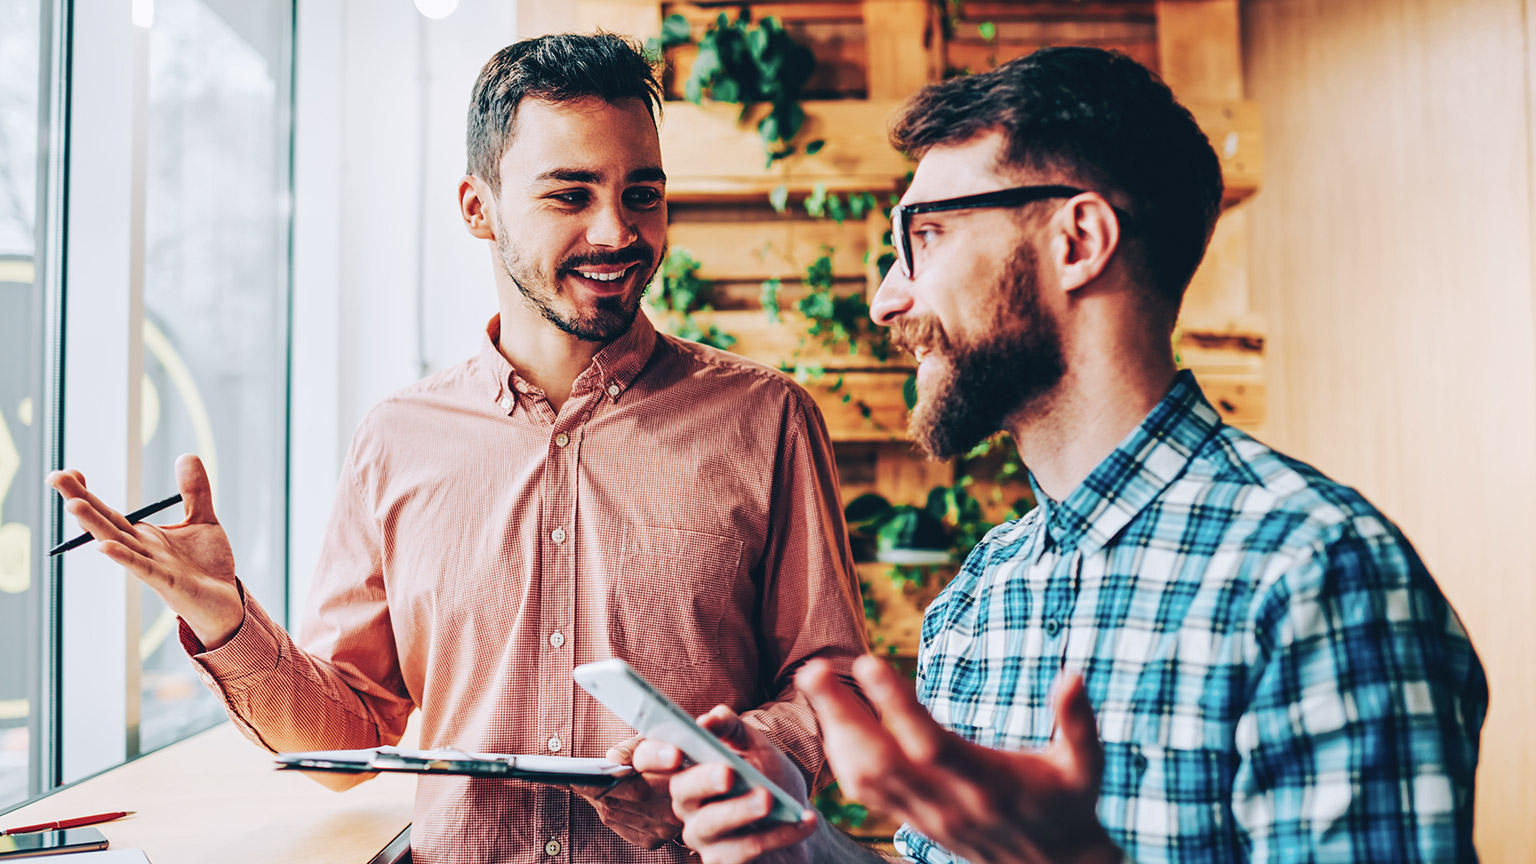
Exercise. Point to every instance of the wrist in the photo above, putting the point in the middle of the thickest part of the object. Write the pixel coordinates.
(216, 627)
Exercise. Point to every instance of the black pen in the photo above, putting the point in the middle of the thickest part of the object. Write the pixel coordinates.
(133, 517)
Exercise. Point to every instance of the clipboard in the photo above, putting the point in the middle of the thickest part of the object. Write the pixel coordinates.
(550, 770)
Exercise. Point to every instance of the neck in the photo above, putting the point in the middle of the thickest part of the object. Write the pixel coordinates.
(543, 354)
(1066, 433)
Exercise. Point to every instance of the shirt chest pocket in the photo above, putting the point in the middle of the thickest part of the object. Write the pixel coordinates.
(673, 590)
(1162, 785)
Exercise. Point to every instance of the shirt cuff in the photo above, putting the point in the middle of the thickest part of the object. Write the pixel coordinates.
(255, 650)
(791, 726)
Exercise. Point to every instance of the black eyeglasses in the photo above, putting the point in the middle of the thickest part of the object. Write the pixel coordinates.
(901, 214)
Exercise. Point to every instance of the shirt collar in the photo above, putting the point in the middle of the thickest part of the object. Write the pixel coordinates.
(617, 364)
(620, 361)
(1138, 470)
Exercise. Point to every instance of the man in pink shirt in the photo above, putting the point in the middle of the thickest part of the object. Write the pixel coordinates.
(582, 488)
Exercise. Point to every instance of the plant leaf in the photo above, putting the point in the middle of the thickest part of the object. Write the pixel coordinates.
(779, 196)
(675, 31)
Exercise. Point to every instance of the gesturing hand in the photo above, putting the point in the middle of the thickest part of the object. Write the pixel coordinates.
(638, 808)
(190, 564)
(984, 805)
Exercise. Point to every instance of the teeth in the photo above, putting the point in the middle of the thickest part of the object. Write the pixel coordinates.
(604, 277)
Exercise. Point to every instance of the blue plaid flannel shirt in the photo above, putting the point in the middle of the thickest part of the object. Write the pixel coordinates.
(1275, 675)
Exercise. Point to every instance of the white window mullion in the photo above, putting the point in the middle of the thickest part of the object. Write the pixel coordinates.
(104, 312)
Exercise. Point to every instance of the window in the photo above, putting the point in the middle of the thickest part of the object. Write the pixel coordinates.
(215, 306)
(22, 347)
(161, 328)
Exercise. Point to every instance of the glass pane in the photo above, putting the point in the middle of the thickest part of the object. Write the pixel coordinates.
(21, 347)
(215, 297)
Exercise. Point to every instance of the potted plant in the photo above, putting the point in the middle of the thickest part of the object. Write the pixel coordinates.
(898, 533)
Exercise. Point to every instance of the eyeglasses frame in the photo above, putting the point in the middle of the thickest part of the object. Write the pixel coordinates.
(901, 222)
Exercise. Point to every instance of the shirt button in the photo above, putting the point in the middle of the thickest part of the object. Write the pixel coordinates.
(1052, 627)
(552, 848)
(557, 535)
(562, 439)
(522, 387)
(556, 639)
(506, 403)
(613, 389)
(554, 743)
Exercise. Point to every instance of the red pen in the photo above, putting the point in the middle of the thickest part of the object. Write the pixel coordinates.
(69, 823)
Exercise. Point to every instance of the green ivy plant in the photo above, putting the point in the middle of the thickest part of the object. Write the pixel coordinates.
(679, 289)
(743, 63)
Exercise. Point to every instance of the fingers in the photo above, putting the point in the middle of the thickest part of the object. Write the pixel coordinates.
(752, 847)
(654, 757)
(1074, 720)
(196, 494)
(102, 527)
(832, 699)
(869, 765)
(732, 830)
(71, 485)
(125, 557)
(698, 786)
(915, 730)
(726, 725)
(624, 751)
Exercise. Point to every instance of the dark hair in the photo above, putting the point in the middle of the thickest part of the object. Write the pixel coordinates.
(1107, 121)
(563, 67)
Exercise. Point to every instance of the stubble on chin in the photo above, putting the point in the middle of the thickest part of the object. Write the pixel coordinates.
(610, 318)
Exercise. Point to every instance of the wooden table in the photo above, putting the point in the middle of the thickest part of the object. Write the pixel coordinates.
(216, 797)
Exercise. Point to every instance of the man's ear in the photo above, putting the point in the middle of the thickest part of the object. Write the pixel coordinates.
(1085, 237)
(475, 203)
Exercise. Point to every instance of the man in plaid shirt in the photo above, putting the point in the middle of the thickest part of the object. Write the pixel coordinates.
(1249, 662)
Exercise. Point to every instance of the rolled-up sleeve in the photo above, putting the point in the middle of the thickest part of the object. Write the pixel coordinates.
(810, 606)
(343, 689)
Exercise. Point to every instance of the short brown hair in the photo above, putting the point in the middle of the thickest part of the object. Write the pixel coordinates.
(562, 67)
(1109, 122)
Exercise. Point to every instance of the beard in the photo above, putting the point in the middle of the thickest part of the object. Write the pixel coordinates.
(611, 315)
(982, 382)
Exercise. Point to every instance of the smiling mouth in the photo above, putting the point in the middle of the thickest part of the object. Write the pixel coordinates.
(603, 274)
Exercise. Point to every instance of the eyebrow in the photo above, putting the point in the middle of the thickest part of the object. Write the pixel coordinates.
(577, 175)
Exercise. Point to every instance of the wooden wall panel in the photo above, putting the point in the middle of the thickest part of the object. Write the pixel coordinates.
(1199, 54)
(903, 48)
(1392, 264)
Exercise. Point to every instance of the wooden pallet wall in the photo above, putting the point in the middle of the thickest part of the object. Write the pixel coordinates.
(873, 54)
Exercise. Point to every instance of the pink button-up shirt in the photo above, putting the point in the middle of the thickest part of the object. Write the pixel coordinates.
(681, 511)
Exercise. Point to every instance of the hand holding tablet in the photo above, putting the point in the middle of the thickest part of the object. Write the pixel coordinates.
(649, 712)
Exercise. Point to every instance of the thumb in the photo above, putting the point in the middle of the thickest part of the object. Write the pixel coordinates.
(196, 494)
(624, 752)
(1074, 720)
(726, 725)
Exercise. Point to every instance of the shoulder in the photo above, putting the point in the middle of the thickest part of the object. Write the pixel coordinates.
(1320, 549)
(454, 389)
(1293, 510)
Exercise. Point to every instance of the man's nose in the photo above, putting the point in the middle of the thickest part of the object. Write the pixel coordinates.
(612, 227)
(892, 299)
